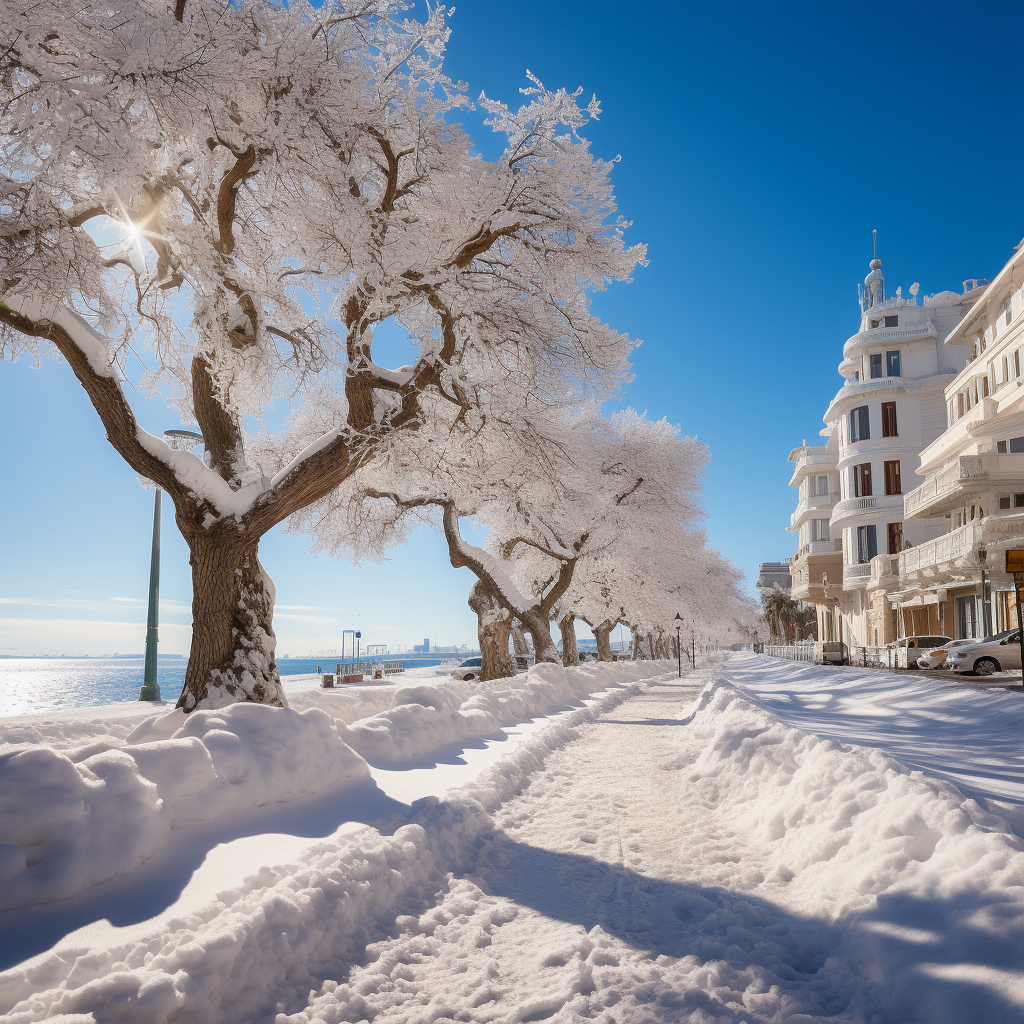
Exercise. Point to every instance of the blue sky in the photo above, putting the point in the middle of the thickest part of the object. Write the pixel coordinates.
(760, 145)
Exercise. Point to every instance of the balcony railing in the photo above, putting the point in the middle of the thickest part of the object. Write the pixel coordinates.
(859, 388)
(947, 481)
(854, 505)
(855, 575)
(883, 565)
(812, 503)
(959, 548)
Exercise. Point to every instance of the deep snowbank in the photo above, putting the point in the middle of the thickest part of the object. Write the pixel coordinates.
(71, 820)
(928, 885)
(269, 942)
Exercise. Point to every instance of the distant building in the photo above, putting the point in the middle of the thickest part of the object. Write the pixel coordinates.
(772, 573)
(423, 648)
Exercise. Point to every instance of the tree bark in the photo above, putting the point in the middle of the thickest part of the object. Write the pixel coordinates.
(567, 627)
(232, 655)
(518, 640)
(539, 627)
(494, 624)
(603, 634)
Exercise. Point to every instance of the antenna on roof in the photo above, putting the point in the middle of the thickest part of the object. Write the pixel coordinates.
(874, 244)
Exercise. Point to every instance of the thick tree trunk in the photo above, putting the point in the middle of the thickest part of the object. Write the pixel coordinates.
(494, 624)
(539, 627)
(518, 640)
(602, 634)
(567, 627)
(232, 656)
(638, 651)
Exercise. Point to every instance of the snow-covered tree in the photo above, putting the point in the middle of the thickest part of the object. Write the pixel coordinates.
(218, 202)
(555, 489)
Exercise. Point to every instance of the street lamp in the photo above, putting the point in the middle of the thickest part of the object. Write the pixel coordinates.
(179, 440)
(679, 644)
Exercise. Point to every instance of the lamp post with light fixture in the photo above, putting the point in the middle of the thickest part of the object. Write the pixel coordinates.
(180, 440)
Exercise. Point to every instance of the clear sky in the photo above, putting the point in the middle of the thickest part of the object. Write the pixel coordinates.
(760, 144)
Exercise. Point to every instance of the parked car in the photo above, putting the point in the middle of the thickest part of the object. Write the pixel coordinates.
(831, 652)
(911, 644)
(468, 669)
(993, 654)
(937, 658)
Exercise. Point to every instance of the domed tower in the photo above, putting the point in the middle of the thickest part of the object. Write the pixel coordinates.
(872, 292)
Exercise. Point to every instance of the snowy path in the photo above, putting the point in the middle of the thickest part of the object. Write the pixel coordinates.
(626, 884)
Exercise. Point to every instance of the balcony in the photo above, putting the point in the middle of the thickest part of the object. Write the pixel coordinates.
(876, 505)
(856, 576)
(866, 388)
(874, 336)
(810, 457)
(883, 566)
(959, 549)
(966, 477)
(814, 503)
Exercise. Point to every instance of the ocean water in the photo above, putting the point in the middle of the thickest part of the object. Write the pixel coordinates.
(32, 685)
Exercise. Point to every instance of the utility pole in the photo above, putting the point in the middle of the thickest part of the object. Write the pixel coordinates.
(150, 689)
(179, 440)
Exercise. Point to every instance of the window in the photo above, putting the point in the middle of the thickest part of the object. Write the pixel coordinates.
(819, 529)
(889, 428)
(892, 321)
(819, 486)
(856, 376)
(892, 360)
(876, 365)
(1016, 445)
(1006, 370)
(984, 387)
(1018, 501)
(1004, 501)
(960, 405)
(875, 323)
(867, 543)
(895, 538)
(862, 480)
(1016, 363)
(860, 429)
(1001, 447)
(892, 478)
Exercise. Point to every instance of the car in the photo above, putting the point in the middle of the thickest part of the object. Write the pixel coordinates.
(468, 669)
(937, 657)
(983, 657)
(831, 652)
(912, 643)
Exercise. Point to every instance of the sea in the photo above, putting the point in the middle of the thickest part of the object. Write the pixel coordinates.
(33, 685)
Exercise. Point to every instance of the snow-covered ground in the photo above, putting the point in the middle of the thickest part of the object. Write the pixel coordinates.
(759, 841)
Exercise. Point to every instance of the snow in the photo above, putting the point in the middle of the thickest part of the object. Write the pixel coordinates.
(745, 844)
(69, 820)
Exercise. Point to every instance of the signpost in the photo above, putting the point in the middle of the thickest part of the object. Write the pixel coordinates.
(1015, 565)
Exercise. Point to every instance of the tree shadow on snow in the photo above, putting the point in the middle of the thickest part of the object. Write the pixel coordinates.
(929, 958)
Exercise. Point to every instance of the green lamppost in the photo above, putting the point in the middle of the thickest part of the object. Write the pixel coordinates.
(180, 440)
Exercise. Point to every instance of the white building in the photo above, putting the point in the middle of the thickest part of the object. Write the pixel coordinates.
(817, 566)
(974, 473)
(891, 406)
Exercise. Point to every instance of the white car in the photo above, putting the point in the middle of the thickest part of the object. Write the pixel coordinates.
(469, 669)
(937, 658)
(983, 657)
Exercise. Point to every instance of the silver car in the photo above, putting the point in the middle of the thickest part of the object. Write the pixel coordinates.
(993, 654)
